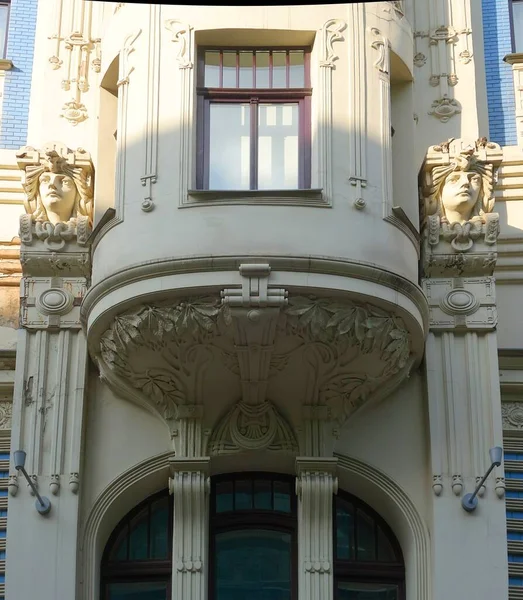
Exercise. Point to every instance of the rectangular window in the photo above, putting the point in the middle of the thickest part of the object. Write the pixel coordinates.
(253, 119)
(517, 25)
(4, 21)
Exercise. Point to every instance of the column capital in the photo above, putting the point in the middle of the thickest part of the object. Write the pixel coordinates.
(313, 464)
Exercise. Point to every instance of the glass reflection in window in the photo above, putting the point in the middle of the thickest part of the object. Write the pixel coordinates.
(253, 564)
(140, 590)
(366, 591)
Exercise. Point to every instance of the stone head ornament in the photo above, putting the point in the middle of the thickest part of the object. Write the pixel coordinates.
(57, 191)
(460, 191)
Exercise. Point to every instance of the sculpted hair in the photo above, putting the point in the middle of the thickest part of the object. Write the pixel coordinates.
(54, 163)
(464, 162)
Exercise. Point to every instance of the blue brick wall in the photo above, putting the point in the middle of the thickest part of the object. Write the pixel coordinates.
(500, 86)
(20, 49)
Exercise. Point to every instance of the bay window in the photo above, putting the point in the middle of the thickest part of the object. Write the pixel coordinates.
(253, 119)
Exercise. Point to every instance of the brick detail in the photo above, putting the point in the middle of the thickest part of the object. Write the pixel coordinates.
(17, 90)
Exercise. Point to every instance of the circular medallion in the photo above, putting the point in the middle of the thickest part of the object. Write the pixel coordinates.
(55, 301)
(460, 302)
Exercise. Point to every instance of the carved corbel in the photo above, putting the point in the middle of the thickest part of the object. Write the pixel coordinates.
(459, 226)
(254, 309)
(58, 186)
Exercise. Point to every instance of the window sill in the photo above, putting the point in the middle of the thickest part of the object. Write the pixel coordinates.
(516, 58)
(309, 197)
(5, 64)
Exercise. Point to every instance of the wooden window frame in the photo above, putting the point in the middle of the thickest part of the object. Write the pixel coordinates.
(238, 519)
(137, 571)
(254, 96)
(359, 571)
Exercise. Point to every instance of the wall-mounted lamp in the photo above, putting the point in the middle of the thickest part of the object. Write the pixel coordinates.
(470, 501)
(43, 504)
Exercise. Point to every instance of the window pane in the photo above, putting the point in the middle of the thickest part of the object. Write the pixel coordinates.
(262, 495)
(385, 550)
(246, 70)
(212, 69)
(282, 496)
(517, 15)
(262, 70)
(366, 591)
(4, 11)
(278, 146)
(229, 69)
(365, 535)
(142, 590)
(296, 70)
(253, 564)
(224, 497)
(159, 529)
(119, 551)
(138, 537)
(345, 532)
(229, 147)
(279, 69)
(243, 495)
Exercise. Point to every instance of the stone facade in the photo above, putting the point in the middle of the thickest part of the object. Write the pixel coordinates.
(359, 334)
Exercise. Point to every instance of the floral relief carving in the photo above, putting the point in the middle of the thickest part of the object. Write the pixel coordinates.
(420, 59)
(350, 350)
(512, 414)
(6, 413)
(58, 186)
(181, 36)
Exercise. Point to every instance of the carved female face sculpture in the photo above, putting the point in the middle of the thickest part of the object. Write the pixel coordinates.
(58, 195)
(459, 195)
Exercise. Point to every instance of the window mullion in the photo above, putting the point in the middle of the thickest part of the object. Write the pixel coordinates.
(254, 144)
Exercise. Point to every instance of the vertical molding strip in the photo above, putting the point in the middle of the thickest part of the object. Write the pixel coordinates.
(357, 100)
(183, 39)
(330, 33)
(150, 175)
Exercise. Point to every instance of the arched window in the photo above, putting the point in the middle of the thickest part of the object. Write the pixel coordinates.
(253, 542)
(137, 560)
(367, 557)
(253, 546)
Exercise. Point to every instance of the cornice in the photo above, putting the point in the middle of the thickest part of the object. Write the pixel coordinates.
(303, 264)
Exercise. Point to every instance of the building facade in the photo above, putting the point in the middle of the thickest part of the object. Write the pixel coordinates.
(268, 264)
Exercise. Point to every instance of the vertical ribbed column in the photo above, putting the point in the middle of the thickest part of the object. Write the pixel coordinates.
(315, 484)
(189, 486)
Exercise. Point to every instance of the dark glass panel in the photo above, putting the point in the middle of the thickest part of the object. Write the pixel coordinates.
(224, 497)
(262, 495)
(119, 549)
(279, 69)
(229, 69)
(243, 495)
(365, 535)
(385, 550)
(140, 590)
(212, 69)
(138, 536)
(282, 496)
(296, 69)
(246, 70)
(262, 70)
(366, 591)
(159, 531)
(345, 532)
(253, 564)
